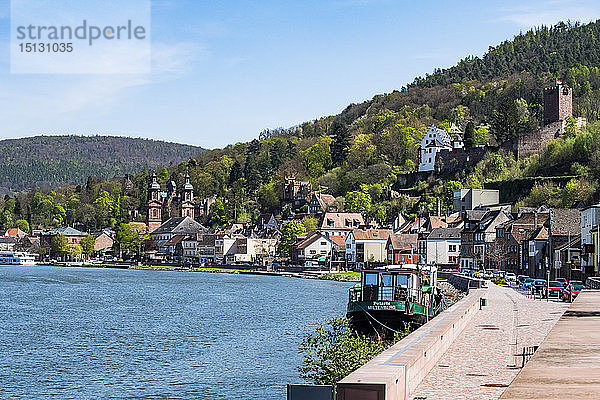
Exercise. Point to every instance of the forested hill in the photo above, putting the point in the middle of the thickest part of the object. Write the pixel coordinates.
(50, 161)
(545, 49)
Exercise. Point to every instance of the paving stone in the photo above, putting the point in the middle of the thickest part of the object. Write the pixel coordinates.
(482, 362)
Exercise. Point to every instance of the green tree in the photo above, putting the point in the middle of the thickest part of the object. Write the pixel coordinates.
(130, 237)
(217, 214)
(481, 136)
(289, 236)
(75, 251)
(60, 244)
(379, 212)
(317, 158)
(505, 120)
(341, 142)
(459, 115)
(6, 219)
(469, 134)
(448, 195)
(333, 351)
(358, 202)
(87, 245)
(267, 197)
(496, 165)
(311, 224)
(22, 225)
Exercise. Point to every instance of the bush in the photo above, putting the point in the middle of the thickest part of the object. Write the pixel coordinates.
(333, 351)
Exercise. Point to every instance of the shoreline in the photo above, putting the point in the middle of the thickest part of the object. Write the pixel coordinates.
(344, 276)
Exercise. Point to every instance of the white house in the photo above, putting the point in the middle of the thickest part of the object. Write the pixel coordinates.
(315, 248)
(443, 246)
(250, 250)
(434, 141)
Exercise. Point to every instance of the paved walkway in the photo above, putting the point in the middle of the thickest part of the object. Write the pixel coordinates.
(567, 364)
(481, 363)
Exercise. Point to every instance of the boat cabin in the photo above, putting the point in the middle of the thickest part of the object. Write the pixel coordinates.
(394, 283)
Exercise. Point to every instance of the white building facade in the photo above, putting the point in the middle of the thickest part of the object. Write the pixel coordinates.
(434, 141)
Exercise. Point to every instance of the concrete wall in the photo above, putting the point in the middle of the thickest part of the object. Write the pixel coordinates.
(396, 372)
(462, 282)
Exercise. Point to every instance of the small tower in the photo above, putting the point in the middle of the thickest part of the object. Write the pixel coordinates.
(154, 219)
(558, 103)
(187, 198)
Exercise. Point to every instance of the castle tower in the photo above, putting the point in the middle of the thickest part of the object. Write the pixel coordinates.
(187, 198)
(154, 219)
(558, 103)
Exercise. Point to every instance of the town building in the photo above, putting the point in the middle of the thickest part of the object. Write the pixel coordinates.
(366, 247)
(510, 245)
(567, 258)
(340, 224)
(562, 226)
(402, 249)
(72, 235)
(478, 237)
(590, 219)
(15, 233)
(250, 251)
(313, 249)
(8, 243)
(170, 234)
(443, 247)
(470, 199)
(320, 203)
(434, 142)
(295, 191)
(103, 241)
(266, 224)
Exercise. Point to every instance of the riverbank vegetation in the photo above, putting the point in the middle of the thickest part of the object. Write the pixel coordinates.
(333, 351)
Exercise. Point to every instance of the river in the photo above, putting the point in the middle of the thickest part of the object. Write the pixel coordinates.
(80, 333)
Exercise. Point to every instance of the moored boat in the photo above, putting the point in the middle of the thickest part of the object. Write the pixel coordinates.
(391, 296)
(16, 258)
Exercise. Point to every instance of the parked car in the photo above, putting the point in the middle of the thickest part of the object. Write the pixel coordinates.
(510, 277)
(576, 283)
(563, 281)
(538, 286)
(527, 282)
(571, 291)
(555, 289)
(521, 279)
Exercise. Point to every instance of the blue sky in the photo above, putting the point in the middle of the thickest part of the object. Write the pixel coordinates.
(223, 71)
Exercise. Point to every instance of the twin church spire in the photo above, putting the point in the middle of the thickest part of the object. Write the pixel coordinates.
(161, 204)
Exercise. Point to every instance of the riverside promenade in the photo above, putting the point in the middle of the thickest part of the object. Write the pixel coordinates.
(567, 364)
(481, 363)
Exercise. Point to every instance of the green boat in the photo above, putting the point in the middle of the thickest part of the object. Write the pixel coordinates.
(391, 296)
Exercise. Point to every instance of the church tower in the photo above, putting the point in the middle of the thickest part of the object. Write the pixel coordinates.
(154, 219)
(187, 198)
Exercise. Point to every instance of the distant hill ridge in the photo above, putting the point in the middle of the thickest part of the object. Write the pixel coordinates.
(51, 161)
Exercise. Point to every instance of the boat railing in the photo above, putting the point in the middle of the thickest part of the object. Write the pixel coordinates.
(383, 293)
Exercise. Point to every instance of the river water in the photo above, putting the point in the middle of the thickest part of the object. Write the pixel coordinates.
(78, 333)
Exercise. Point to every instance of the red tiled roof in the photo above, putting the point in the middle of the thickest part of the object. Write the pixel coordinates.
(404, 241)
(372, 234)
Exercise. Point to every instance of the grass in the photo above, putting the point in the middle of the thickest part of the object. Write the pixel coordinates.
(347, 276)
